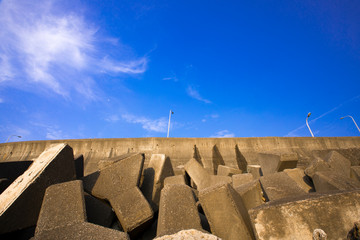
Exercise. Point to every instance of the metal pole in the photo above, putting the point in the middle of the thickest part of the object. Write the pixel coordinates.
(169, 123)
(12, 136)
(308, 124)
(353, 121)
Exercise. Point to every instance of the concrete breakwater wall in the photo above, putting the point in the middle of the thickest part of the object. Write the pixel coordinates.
(211, 151)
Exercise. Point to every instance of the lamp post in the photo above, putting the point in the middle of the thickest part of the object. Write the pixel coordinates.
(308, 124)
(171, 113)
(353, 121)
(12, 136)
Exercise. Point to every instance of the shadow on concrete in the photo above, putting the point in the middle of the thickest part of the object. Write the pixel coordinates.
(240, 159)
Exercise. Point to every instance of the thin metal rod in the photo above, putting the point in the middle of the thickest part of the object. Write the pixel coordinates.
(353, 121)
(12, 136)
(308, 124)
(169, 124)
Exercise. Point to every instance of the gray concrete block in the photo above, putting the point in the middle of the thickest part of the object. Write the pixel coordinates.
(355, 173)
(80, 231)
(339, 163)
(158, 169)
(333, 213)
(63, 204)
(226, 213)
(115, 179)
(255, 170)
(20, 203)
(227, 171)
(178, 179)
(279, 185)
(132, 210)
(300, 178)
(272, 163)
(177, 210)
(98, 212)
(251, 194)
(316, 165)
(239, 179)
(106, 162)
(332, 181)
(189, 234)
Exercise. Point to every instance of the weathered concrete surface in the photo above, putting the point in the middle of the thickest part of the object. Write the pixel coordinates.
(79, 166)
(178, 179)
(158, 169)
(239, 179)
(355, 173)
(300, 178)
(332, 181)
(20, 203)
(132, 210)
(279, 185)
(272, 163)
(317, 165)
(226, 213)
(251, 194)
(255, 170)
(227, 171)
(190, 234)
(298, 219)
(339, 163)
(177, 210)
(63, 204)
(104, 163)
(98, 212)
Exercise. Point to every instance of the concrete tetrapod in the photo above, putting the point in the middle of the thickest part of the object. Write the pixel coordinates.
(20, 203)
(332, 181)
(272, 163)
(63, 216)
(227, 171)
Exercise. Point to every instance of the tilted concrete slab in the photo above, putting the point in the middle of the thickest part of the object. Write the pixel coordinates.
(226, 213)
(106, 162)
(227, 171)
(63, 204)
(158, 169)
(177, 210)
(335, 214)
(339, 163)
(332, 181)
(272, 163)
(189, 234)
(240, 179)
(251, 194)
(300, 178)
(317, 165)
(20, 203)
(279, 185)
(179, 179)
(132, 210)
(255, 170)
(98, 212)
(355, 173)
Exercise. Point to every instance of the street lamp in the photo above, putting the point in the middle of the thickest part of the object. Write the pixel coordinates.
(353, 121)
(308, 124)
(12, 136)
(171, 112)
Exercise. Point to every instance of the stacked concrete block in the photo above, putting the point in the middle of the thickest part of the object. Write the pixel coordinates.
(189, 234)
(158, 169)
(272, 163)
(317, 165)
(63, 215)
(226, 213)
(178, 179)
(279, 185)
(240, 179)
(300, 178)
(104, 163)
(255, 170)
(335, 214)
(98, 212)
(177, 210)
(332, 181)
(227, 171)
(251, 194)
(201, 177)
(339, 163)
(355, 173)
(20, 203)
(79, 166)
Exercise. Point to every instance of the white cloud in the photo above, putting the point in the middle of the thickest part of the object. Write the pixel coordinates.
(55, 49)
(54, 134)
(223, 134)
(157, 125)
(192, 92)
(113, 118)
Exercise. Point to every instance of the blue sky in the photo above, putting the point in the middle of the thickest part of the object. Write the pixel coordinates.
(114, 69)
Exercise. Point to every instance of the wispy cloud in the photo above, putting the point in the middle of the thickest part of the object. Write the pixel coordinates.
(43, 46)
(192, 92)
(112, 118)
(223, 134)
(157, 125)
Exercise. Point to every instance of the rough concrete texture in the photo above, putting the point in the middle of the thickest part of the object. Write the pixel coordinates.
(300, 178)
(20, 203)
(272, 163)
(251, 194)
(255, 170)
(226, 213)
(106, 162)
(339, 163)
(191, 234)
(177, 210)
(115, 179)
(332, 181)
(98, 211)
(79, 166)
(239, 179)
(227, 171)
(316, 165)
(179, 179)
(280, 185)
(298, 219)
(355, 173)
(80, 231)
(132, 210)
(63, 204)
(158, 169)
